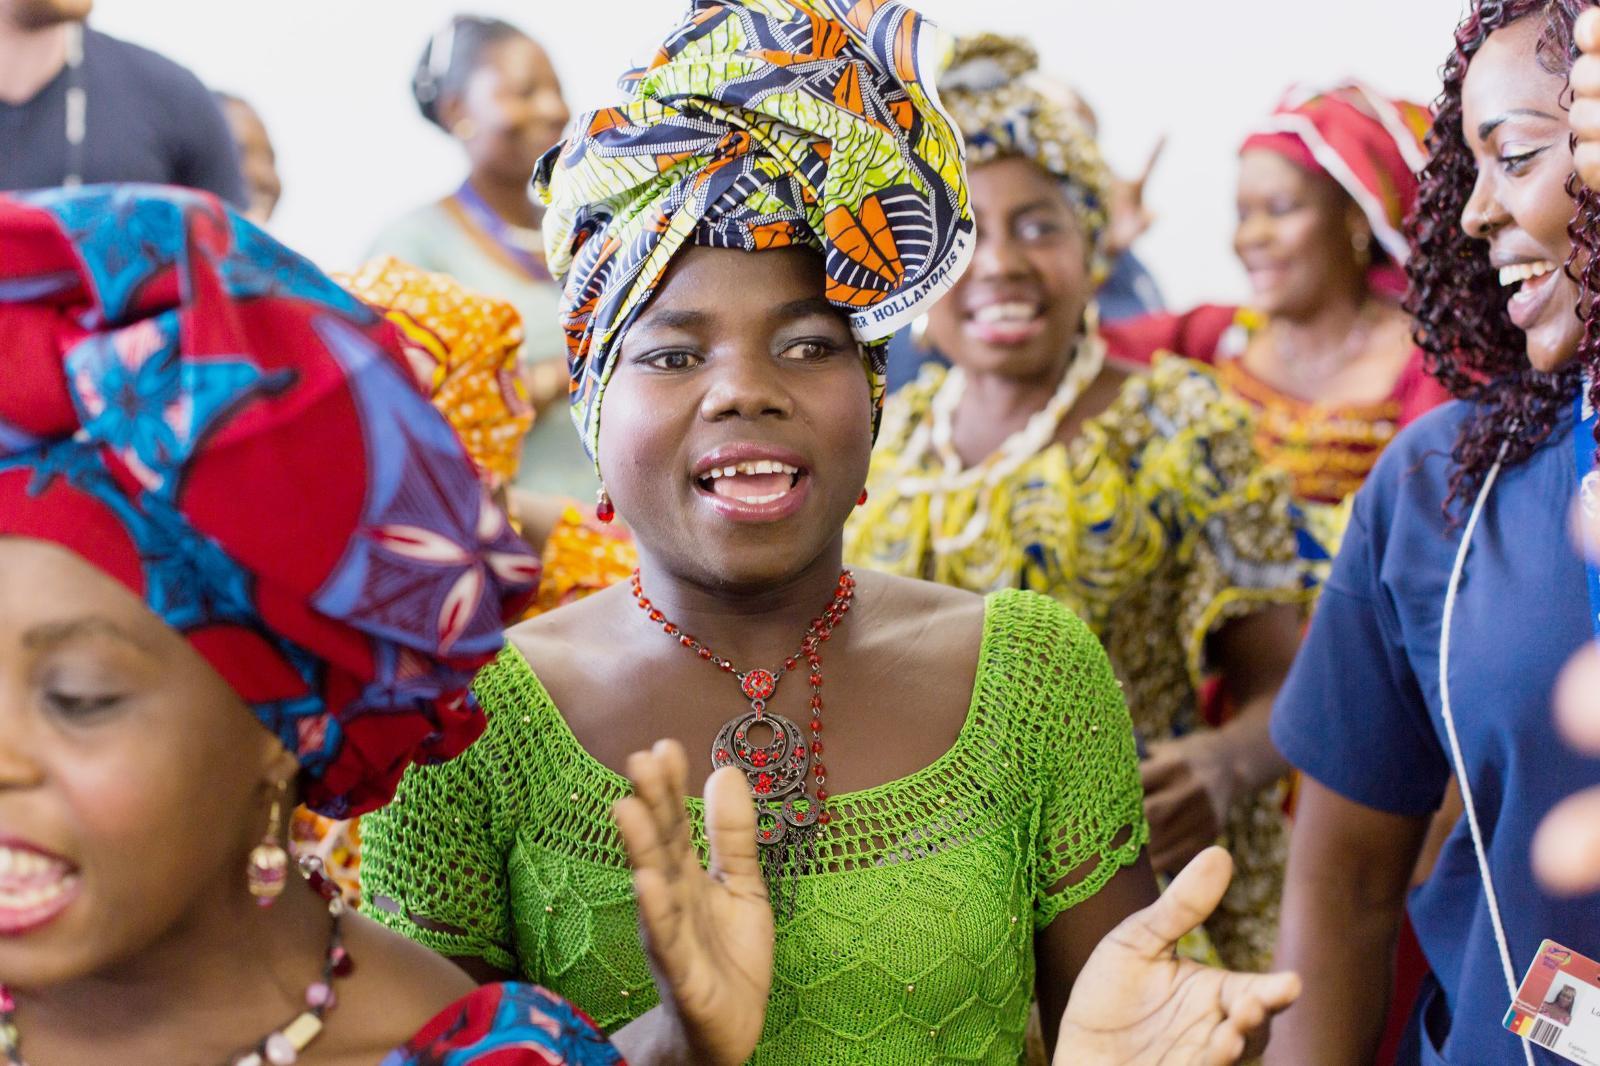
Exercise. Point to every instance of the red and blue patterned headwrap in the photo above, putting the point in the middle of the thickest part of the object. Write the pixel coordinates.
(207, 418)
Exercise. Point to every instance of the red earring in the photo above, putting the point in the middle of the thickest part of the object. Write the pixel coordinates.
(862, 502)
(602, 508)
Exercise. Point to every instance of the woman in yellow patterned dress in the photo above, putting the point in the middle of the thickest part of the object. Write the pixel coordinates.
(1137, 499)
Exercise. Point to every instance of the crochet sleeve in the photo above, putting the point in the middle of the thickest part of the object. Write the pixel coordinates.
(1092, 817)
(1230, 518)
(433, 864)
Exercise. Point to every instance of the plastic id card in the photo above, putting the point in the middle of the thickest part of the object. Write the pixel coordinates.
(1558, 1005)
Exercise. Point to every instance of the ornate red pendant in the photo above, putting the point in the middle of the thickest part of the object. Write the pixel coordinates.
(758, 685)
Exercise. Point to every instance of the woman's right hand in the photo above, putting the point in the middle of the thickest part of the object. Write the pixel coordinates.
(1585, 114)
(1566, 849)
(1135, 1003)
(708, 933)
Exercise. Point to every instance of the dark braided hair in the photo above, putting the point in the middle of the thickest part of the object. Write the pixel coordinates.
(451, 56)
(1455, 297)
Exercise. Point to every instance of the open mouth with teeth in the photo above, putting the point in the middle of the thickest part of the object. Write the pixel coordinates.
(34, 888)
(754, 482)
(1530, 285)
(1517, 273)
(1005, 322)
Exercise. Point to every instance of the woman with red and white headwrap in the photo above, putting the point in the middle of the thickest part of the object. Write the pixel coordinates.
(1323, 351)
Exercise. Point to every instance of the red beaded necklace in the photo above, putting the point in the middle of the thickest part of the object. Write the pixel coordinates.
(786, 819)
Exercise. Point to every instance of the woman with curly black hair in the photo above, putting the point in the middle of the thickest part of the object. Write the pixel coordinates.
(1457, 595)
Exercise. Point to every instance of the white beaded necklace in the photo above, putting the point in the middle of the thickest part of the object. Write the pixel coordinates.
(936, 434)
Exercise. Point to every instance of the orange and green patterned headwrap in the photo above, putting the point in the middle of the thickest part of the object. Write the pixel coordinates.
(762, 124)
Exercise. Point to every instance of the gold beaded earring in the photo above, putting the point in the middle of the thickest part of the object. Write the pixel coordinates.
(269, 863)
(1361, 244)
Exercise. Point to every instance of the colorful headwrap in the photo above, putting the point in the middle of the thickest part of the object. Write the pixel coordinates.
(463, 349)
(1006, 109)
(762, 124)
(1370, 144)
(206, 418)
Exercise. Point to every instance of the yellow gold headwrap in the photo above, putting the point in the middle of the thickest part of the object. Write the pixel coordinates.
(1005, 108)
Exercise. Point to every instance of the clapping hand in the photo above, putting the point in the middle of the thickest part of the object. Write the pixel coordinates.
(1135, 1003)
(707, 932)
(1584, 116)
(1566, 850)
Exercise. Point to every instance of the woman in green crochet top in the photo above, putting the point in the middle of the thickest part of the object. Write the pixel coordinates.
(949, 799)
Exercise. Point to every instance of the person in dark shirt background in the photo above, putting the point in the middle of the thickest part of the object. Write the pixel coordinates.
(258, 160)
(78, 107)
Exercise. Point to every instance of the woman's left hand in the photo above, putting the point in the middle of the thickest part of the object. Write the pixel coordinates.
(1135, 1003)
(1189, 786)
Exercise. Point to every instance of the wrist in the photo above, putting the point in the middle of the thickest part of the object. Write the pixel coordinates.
(1250, 758)
(656, 1038)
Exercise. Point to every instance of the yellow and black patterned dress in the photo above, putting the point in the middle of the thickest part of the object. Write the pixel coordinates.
(1157, 524)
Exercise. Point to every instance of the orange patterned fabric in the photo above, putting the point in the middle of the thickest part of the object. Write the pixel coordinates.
(580, 560)
(463, 348)
(336, 843)
(1328, 451)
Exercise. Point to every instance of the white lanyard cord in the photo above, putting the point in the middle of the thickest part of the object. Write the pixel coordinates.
(77, 107)
(1455, 740)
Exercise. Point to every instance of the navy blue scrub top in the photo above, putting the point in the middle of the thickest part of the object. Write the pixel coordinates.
(1360, 711)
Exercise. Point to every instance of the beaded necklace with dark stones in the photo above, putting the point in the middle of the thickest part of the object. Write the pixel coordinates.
(771, 750)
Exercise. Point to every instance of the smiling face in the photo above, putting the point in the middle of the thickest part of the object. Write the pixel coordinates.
(1019, 308)
(513, 99)
(1296, 236)
(1512, 117)
(736, 429)
(114, 733)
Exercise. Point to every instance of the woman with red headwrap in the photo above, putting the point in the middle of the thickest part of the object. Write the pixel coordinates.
(243, 562)
(1324, 350)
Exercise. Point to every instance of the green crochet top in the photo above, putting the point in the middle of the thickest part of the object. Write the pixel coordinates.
(917, 947)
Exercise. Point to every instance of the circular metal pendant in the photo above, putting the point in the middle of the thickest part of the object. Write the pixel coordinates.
(775, 766)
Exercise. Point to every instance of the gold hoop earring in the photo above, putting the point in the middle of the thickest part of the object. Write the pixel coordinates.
(1361, 244)
(919, 332)
(268, 867)
(1091, 318)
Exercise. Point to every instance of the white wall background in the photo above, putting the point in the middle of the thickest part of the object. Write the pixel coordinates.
(332, 77)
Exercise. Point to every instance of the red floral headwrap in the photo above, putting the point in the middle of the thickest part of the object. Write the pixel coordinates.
(206, 418)
(1370, 144)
